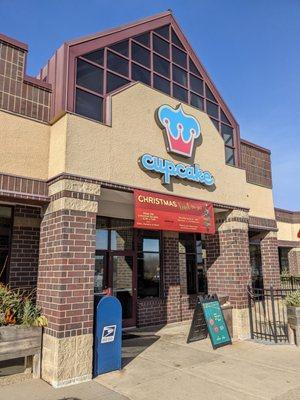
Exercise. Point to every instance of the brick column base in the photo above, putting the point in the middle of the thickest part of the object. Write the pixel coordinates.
(270, 260)
(294, 261)
(228, 265)
(66, 281)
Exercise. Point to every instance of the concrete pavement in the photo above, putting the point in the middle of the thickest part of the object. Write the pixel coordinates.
(160, 365)
(171, 369)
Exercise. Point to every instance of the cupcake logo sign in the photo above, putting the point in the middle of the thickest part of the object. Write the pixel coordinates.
(181, 129)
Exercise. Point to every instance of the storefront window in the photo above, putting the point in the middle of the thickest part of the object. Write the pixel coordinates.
(149, 255)
(191, 259)
(5, 238)
(284, 258)
(114, 234)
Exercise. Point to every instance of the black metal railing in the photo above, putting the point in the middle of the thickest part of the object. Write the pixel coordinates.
(290, 282)
(267, 312)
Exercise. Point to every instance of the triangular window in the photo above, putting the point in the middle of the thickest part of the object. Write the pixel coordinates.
(176, 40)
(121, 47)
(163, 31)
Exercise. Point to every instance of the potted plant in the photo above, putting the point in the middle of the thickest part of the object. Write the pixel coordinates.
(293, 315)
(21, 323)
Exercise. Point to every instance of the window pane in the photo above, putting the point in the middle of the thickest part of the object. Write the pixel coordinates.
(176, 40)
(89, 105)
(151, 245)
(102, 225)
(140, 74)
(197, 101)
(143, 39)
(161, 46)
(95, 56)
(196, 84)
(148, 274)
(122, 283)
(140, 55)
(121, 47)
(163, 31)
(121, 234)
(224, 118)
(99, 272)
(227, 133)
(216, 123)
(193, 68)
(229, 155)
(212, 109)
(161, 66)
(179, 57)
(161, 84)
(209, 94)
(179, 75)
(180, 93)
(117, 64)
(114, 82)
(89, 76)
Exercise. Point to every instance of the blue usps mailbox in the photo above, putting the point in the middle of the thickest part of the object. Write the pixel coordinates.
(108, 335)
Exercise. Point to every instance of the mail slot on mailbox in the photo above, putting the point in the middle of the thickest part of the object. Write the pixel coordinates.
(108, 335)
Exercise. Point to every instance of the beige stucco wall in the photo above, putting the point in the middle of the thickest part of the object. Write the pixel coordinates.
(112, 153)
(288, 231)
(24, 146)
(260, 200)
(80, 146)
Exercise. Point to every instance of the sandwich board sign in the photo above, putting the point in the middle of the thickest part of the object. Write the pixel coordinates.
(212, 318)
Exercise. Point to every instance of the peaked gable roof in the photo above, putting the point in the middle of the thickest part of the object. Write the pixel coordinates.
(62, 66)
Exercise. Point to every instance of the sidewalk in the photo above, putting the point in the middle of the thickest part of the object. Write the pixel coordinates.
(36, 389)
(160, 365)
(170, 369)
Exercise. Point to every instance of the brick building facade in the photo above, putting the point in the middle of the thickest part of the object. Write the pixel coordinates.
(71, 161)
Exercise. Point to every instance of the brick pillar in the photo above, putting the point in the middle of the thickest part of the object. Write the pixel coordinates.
(24, 256)
(228, 265)
(270, 260)
(66, 281)
(171, 276)
(294, 261)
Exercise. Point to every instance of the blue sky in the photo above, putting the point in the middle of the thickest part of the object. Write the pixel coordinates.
(250, 48)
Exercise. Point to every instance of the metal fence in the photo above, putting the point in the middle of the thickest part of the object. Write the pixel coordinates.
(267, 312)
(290, 282)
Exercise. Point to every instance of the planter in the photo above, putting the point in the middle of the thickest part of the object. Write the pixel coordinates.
(293, 317)
(19, 341)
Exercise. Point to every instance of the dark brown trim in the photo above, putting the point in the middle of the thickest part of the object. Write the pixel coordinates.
(262, 223)
(255, 146)
(288, 243)
(18, 187)
(291, 217)
(36, 82)
(13, 42)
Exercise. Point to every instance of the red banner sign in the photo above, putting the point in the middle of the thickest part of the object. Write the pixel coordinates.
(169, 213)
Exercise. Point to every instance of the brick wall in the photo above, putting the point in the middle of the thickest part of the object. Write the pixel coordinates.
(66, 272)
(257, 163)
(19, 93)
(25, 247)
(228, 260)
(270, 260)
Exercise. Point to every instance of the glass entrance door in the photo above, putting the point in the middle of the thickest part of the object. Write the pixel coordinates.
(115, 264)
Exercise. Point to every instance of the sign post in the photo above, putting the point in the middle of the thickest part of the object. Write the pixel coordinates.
(108, 336)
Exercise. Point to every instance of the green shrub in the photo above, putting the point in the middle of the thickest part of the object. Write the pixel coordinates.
(18, 308)
(293, 299)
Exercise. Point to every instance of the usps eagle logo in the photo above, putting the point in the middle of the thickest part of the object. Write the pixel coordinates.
(180, 128)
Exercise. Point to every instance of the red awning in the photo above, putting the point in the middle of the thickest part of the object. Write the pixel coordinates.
(171, 213)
